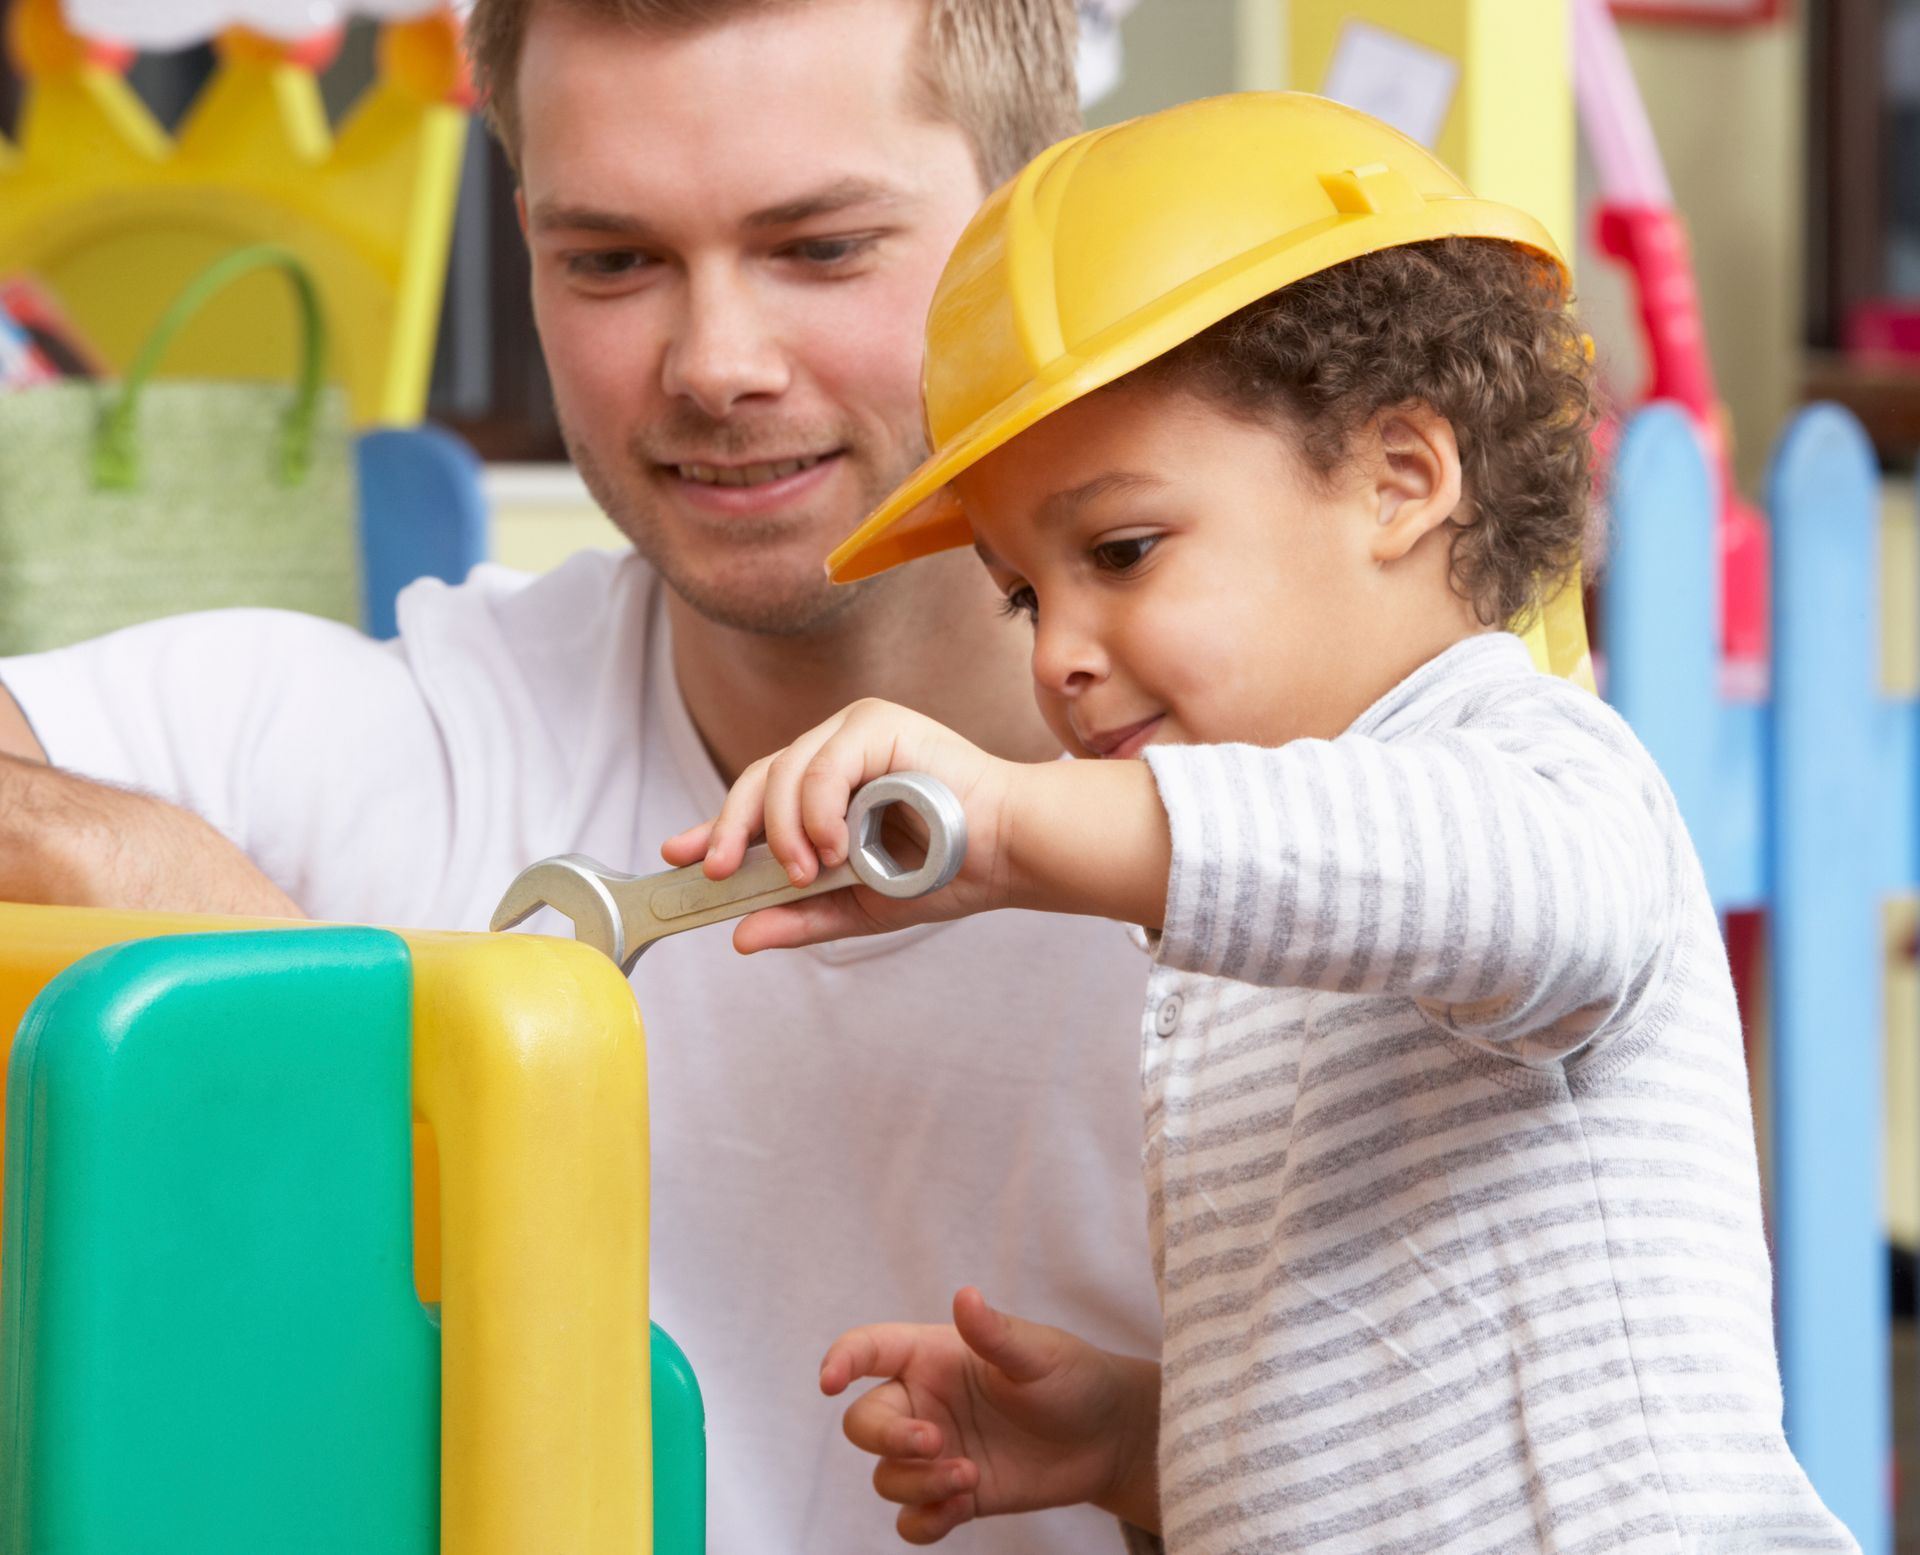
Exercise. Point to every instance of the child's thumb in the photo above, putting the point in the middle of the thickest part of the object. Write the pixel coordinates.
(1023, 1350)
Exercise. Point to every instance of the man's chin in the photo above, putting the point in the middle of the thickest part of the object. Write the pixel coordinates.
(760, 605)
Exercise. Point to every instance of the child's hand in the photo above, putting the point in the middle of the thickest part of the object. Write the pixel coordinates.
(997, 1415)
(799, 796)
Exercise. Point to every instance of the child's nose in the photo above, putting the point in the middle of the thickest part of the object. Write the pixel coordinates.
(1067, 658)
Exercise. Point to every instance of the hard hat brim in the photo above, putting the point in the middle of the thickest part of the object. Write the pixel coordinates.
(922, 517)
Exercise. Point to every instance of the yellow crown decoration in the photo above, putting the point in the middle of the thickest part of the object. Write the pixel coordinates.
(115, 216)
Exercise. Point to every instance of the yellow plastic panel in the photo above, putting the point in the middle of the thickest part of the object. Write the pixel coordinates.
(529, 1077)
(1510, 129)
(37, 944)
(529, 1066)
(116, 217)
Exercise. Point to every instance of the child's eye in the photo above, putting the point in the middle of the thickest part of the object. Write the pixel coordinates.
(1021, 602)
(1123, 555)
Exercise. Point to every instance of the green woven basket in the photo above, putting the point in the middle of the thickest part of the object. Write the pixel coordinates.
(123, 502)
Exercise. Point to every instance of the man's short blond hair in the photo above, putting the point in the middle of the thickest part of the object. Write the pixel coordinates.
(1001, 70)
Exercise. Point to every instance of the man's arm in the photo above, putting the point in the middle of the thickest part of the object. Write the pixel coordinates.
(69, 842)
(16, 734)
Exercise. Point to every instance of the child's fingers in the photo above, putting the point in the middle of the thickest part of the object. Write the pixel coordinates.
(888, 1432)
(787, 831)
(739, 818)
(881, 1421)
(1025, 1351)
(689, 847)
(872, 1350)
(865, 743)
(826, 790)
(910, 1482)
(931, 1524)
(811, 921)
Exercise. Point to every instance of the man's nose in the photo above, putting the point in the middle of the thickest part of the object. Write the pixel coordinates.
(723, 349)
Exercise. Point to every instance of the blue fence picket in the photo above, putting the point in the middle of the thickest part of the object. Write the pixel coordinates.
(1826, 955)
(1661, 637)
(1661, 630)
(1804, 806)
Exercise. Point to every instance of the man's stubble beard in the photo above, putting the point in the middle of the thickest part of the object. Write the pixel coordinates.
(808, 607)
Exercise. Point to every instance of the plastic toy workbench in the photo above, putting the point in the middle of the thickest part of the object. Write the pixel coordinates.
(328, 1238)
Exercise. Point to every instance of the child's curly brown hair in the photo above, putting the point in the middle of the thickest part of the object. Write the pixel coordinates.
(1481, 332)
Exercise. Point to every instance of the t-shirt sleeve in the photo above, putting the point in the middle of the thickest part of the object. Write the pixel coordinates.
(1520, 884)
(303, 741)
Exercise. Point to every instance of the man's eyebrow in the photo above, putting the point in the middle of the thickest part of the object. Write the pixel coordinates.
(842, 194)
(550, 216)
(1064, 504)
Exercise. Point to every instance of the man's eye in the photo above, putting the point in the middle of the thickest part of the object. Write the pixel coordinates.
(829, 253)
(605, 264)
(1021, 602)
(1123, 555)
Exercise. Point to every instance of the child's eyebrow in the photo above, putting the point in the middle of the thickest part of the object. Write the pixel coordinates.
(1064, 504)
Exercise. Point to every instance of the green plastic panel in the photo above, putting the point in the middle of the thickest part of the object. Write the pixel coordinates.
(679, 1452)
(209, 1338)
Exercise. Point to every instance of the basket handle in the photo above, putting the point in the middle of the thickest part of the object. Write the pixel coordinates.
(116, 460)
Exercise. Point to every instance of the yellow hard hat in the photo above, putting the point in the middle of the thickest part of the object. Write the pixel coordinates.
(1113, 247)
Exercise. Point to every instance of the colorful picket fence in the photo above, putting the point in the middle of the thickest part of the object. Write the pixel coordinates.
(1802, 802)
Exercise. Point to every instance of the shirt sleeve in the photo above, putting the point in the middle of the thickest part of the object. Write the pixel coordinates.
(1519, 884)
(304, 742)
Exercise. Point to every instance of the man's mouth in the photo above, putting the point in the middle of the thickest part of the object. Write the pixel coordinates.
(759, 474)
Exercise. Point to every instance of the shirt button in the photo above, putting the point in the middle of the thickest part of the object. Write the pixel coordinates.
(1166, 1019)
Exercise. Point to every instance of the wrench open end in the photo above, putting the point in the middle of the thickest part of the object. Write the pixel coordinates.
(574, 886)
(619, 915)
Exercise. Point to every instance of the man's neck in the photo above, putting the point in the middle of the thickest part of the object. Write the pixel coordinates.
(935, 644)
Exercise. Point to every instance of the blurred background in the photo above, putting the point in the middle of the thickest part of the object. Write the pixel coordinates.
(1790, 131)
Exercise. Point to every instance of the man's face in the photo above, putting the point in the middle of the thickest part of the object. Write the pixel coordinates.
(735, 235)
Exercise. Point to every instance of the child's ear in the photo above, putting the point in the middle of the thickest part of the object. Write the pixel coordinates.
(1416, 478)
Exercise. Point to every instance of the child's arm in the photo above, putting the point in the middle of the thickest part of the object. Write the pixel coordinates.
(996, 1415)
(1079, 837)
(1517, 888)
(1522, 887)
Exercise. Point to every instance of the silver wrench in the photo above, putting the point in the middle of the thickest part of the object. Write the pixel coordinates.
(623, 914)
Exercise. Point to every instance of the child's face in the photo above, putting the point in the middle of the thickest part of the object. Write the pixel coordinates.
(1191, 581)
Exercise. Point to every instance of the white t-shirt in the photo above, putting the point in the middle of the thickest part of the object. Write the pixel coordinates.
(840, 1135)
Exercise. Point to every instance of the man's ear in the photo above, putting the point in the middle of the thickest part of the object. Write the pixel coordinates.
(1416, 477)
(520, 207)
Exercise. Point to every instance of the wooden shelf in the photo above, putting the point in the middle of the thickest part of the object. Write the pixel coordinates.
(1884, 395)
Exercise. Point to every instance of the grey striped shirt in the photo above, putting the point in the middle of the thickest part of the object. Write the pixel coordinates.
(1449, 1153)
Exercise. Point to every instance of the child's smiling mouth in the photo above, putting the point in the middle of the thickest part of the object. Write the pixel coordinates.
(1118, 744)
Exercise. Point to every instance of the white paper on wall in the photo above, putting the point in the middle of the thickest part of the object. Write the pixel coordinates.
(1101, 65)
(1393, 78)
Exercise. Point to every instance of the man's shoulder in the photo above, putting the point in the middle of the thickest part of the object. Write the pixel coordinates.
(524, 673)
(574, 598)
